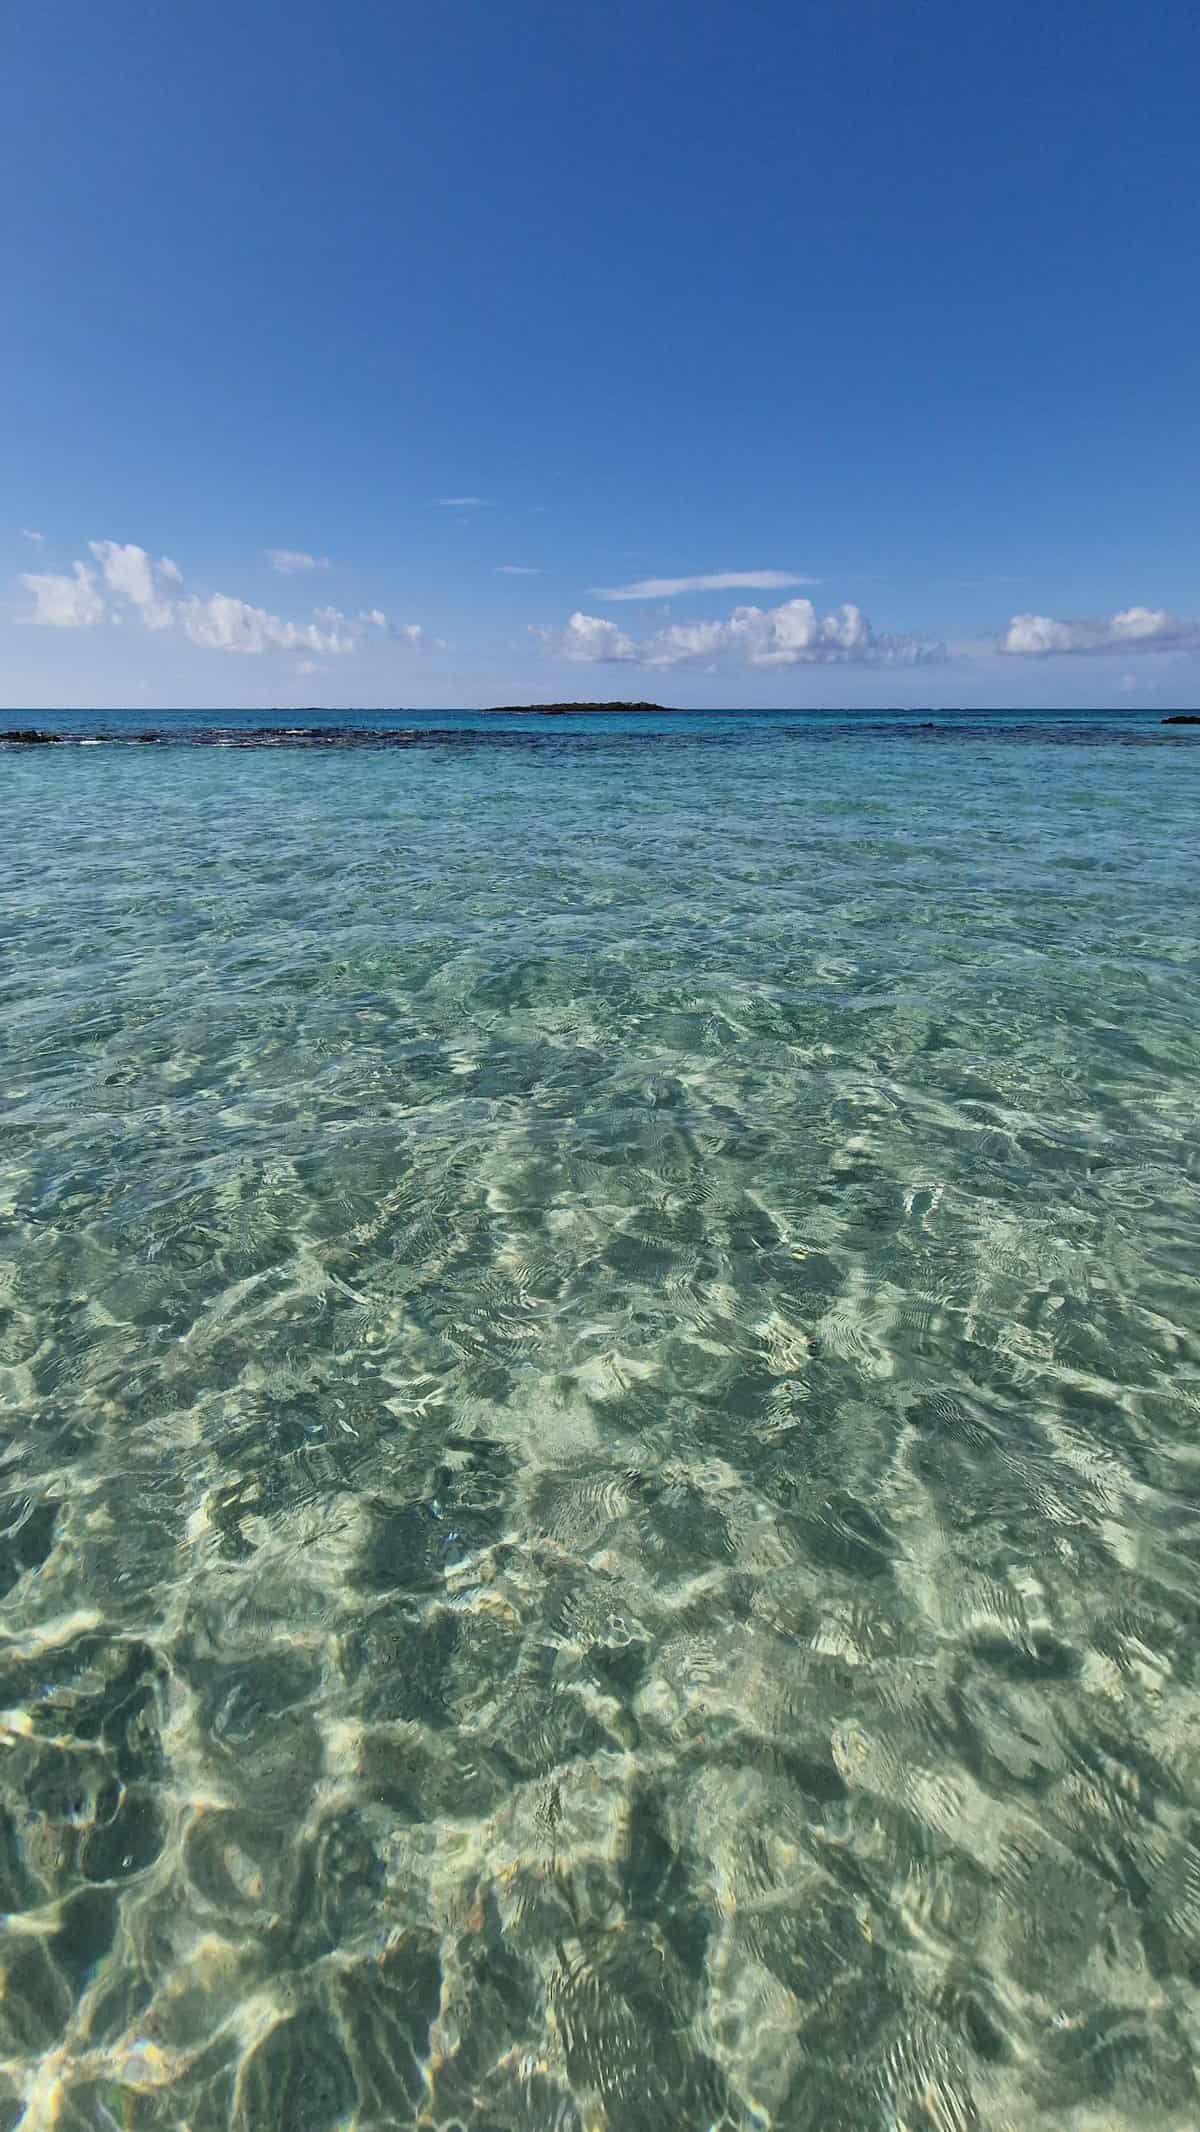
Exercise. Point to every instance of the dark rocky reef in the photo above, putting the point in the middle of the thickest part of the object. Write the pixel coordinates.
(1183, 718)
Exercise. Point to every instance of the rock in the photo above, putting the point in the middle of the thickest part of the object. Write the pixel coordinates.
(561, 710)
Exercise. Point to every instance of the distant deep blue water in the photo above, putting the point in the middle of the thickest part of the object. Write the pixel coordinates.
(539, 730)
(600, 1399)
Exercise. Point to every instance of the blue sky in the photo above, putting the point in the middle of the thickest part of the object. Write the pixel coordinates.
(442, 354)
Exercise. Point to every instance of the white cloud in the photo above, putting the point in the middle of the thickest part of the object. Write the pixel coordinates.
(27, 533)
(61, 602)
(129, 574)
(129, 585)
(847, 628)
(666, 588)
(290, 562)
(587, 638)
(788, 635)
(1143, 624)
(516, 570)
(682, 641)
(1133, 629)
(794, 632)
(223, 623)
(1037, 634)
(401, 632)
(463, 503)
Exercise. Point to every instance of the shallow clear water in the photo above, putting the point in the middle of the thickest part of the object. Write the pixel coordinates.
(601, 1431)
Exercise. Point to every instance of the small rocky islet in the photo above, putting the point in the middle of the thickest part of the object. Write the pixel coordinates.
(564, 710)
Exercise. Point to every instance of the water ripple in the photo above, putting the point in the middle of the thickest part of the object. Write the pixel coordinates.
(600, 1369)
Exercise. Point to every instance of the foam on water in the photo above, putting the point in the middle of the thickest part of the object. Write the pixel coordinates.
(600, 1383)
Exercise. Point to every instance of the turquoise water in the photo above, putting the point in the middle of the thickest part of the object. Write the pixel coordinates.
(600, 1365)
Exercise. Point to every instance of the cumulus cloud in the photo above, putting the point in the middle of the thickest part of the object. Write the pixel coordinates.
(794, 632)
(131, 577)
(27, 533)
(789, 635)
(401, 632)
(129, 585)
(223, 623)
(665, 588)
(586, 637)
(1133, 629)
(65, 602)
(682, 641)
(290, 562)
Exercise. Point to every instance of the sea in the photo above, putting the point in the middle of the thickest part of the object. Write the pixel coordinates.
(600, 1423)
